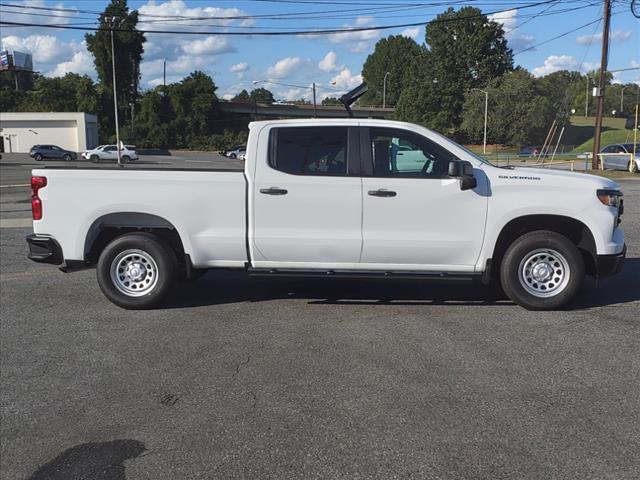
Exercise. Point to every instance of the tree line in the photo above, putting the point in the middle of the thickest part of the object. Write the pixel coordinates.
(437, 84)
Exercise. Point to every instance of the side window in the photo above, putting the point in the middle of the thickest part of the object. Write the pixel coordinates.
(110, 148)
(53, 147)
(607, 150)
(309, 150)
(405, 154)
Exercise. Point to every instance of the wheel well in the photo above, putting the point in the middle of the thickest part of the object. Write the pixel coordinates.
(108, 227)
(576, 231)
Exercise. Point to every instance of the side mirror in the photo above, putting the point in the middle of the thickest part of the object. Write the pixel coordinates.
(464, 171)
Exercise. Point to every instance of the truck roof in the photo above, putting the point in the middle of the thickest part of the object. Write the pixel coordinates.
(327, 121)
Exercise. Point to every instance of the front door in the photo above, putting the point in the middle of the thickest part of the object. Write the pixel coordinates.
(414, 216)
(307, 202)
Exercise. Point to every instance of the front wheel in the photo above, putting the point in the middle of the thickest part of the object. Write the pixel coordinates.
(94, 158)
(136, 271)
(542, 270)
(38, 157)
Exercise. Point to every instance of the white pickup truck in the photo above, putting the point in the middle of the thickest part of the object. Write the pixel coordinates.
(333, 197)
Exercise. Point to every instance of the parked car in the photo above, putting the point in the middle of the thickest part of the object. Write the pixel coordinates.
(619, 156)
(333, 198)
(236, 152)
(41, 152)
(529, 152)
(110, 152)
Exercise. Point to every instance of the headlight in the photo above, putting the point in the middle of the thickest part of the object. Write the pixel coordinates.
(610, 198)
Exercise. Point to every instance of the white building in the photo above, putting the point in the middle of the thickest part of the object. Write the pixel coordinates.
(19, 131)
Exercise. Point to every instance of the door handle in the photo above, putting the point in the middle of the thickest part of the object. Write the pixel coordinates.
(381, 192)
(273, 191)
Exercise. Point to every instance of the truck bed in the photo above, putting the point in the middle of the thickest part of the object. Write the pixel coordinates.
(206, 207)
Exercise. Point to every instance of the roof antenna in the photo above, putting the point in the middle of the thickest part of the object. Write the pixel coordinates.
(350, 97)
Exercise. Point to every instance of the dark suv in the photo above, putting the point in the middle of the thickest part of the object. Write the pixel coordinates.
(40, 152)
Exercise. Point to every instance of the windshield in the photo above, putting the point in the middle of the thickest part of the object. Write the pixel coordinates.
(474, 155)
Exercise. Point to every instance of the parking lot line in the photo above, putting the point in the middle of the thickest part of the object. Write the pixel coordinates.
(16, 222)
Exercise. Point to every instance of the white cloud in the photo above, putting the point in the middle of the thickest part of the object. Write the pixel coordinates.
(509, 21)
(184, 53)
(411, 33)
(357, 41)
(52, 17)
(292, 94)
(209, 46)
(328, 63)
(345, 80)
(52, 56)
(554, 63)
(239, 69)
(81, 62)
(615, 36)
(286, 66)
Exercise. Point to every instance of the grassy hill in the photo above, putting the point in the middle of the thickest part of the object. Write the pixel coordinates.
(581, 129)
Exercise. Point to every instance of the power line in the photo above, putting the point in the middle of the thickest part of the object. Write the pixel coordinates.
(329, 31)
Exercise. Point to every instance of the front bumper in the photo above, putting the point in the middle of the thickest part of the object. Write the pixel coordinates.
(607, 265)
(44, 249)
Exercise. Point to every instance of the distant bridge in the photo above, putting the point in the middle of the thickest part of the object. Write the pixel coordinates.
(305, 111)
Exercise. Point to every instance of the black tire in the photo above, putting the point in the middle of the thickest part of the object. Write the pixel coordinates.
(38, 157)
(126, 159)
(632, 167)
(127, 247)
(232, 155)
(559, 276)
(94, 158)
(66, 157)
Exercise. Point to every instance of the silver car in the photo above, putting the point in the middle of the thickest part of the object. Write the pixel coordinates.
(619, 157)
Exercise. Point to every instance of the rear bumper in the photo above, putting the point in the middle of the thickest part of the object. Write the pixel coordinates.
(44, 249)
(607, 265)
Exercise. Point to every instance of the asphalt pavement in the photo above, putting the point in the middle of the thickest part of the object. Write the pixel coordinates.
(242, 378)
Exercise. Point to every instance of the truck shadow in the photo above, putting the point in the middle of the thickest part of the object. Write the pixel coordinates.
(95, 461)
(217, 288)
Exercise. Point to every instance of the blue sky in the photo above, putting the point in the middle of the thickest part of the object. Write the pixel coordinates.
(334, 62)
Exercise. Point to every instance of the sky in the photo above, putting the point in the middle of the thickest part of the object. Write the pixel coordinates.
(333, 62)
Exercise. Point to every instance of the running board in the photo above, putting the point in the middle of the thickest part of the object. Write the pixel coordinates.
(408, 275)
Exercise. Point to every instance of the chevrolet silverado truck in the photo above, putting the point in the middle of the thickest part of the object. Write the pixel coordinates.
(333, 197)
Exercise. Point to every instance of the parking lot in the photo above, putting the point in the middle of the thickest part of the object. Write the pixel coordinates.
(237, 377)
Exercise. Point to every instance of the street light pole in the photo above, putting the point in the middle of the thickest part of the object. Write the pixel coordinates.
(586, 99)
(622, 99)
(384, 90)
(115, 96)
(486, 108)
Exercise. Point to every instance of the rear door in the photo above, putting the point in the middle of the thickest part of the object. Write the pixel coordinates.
(307, 199)
(414, 216)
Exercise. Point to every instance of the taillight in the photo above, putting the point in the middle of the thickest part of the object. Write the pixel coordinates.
(36, 204)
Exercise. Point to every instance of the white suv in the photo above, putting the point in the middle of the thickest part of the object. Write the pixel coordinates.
(110, 152)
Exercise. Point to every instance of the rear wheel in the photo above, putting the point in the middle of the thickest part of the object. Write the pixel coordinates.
(136, 271)
(126, 159)
(66, 157)
(38, 157)
(542, 270)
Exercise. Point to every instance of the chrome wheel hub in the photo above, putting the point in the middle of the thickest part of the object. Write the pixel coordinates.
(544, 272)
(134, 272)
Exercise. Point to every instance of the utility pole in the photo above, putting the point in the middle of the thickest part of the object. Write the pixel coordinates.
(586, 99)
(315, 110)
(601, 83)
(622, 99)
(115, 96)
(164, 76)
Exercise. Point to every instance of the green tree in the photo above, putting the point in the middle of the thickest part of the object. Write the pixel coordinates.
(262, 95)
(242, 97)
(71, 93)
(194, 101)
(331, 101)
(465, 50)
(519, 111)
(154, 123)
(392, 54)
(128, 46)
